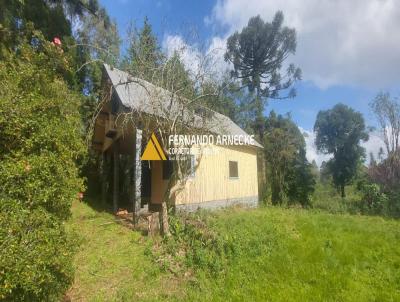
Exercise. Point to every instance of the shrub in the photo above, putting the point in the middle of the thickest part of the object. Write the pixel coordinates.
(40, 130)
(195, 245)
(36, 253)
(394, 203)
(387, 175)
(373, 200)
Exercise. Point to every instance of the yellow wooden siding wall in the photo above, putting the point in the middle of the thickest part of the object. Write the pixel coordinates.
(211, 181)
(158, 185)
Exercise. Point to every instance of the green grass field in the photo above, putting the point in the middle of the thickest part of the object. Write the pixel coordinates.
(276, 255)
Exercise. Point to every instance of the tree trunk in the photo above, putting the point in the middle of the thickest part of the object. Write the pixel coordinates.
(343, 193)
(259, 122)
(261, 175)
(276, 196)
(164, 220)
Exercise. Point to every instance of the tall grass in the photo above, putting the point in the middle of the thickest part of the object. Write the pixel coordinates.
(327, 198)
(276, 254)
(265, 254)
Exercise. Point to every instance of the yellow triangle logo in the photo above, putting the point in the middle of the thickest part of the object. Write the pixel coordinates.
(153, 150)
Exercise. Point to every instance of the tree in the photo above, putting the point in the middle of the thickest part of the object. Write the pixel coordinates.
(257, 54)
(315, 169)
(324, 173)
(287, 165)
(143, 55)
(387, 112)
(52, 18)
(372, 160)
(98, 42)
(387, 175)
(175, 74)
(301, 179)
(339, 132)
(222, 98)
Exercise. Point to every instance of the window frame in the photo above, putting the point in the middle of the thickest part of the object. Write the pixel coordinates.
(237, 169)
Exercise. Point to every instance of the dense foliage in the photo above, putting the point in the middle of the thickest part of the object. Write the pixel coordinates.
(41, 142)
(41, 129)
(144, 54)
(290, 174)
(386, 177)
(339, 131)
(257, 53)
(35, 256)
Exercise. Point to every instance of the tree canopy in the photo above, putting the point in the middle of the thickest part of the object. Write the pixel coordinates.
(290, 174)
(257, 54)
(387, 112)
(339, 131)
(144, 54)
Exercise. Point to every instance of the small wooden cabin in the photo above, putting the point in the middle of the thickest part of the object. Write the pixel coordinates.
(226, 178)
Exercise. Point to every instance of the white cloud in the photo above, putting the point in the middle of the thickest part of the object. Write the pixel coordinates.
(339, 42)
(189, 54)
(373, 145)
(311, 149)
(209, 61)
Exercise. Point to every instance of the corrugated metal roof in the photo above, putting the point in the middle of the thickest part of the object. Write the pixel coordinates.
(135, 94)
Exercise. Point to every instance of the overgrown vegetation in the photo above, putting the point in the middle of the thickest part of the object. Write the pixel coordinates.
(49, 94)
(269, 253)
(290, 176)
(294, 255)
(113, 262)
(36, 254)
(41, 142)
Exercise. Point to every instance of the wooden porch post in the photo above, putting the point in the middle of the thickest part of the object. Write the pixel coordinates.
(116, 176)
(103, 173)
(137, 176)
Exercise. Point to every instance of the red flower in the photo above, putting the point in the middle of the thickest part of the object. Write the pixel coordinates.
(57, 41)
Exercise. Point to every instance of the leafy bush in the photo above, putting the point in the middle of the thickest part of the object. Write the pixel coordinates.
(387, 175)
(300, 181)
(373, 200)
(40, 132)
(36, 254)
(326, 197)
(394, 203)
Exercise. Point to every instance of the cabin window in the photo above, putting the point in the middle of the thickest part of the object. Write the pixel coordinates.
(233, 169)
(167, 169)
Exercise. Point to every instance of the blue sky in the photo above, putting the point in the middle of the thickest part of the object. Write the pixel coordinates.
(348, 50)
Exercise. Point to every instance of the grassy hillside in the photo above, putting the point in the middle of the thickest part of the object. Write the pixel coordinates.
(265, 254)
(111, 264)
